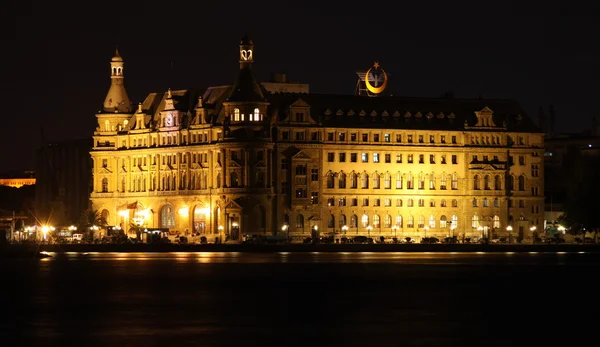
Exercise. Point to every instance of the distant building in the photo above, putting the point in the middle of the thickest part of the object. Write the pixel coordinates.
(17, 179)
(256, 159)
(63, 181)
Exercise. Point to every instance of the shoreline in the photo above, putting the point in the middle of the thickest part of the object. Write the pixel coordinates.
(25, 249)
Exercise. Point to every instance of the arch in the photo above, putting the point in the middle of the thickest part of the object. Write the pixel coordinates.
(364, 220)
(342, 180)
(443, 221)
(330, 180)
(410, 223)
(199, 217)
(432, 221)
(455, 220)
(167, 216)
(522, 182)
(486, 182)
(342, 221)
(256, 115)
(354, 221)
(497, 182)
(421, 221)
(105, 217)
(365, 180)
(233, 179)
(387, 221)
(236, 114)
(300, 221)
(331, 221)
(399, 221)
(476, 185)
(475, 221)
(353, 180)
(496, 221)
(376, 180)
(376, 221)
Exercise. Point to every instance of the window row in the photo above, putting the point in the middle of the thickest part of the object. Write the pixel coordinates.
(387, 158)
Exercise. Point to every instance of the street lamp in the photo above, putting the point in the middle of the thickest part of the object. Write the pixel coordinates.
(285, 228)
(45, 230)
(425, 229)
(480, 229)
(509, 229)
(344, 229)
(369, 230)
(394, 228)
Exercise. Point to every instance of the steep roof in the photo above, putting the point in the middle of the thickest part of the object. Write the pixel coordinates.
(403, 112)
(246, 88)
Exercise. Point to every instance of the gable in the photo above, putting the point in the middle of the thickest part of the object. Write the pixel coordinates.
(232, 205)
(301, 155)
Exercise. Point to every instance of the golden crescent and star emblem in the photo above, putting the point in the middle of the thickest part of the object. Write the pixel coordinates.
(371, 88)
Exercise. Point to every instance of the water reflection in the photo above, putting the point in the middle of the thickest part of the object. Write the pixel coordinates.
(440, 258)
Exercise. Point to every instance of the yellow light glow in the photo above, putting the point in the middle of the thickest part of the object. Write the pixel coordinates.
(123, 213)
(376, 90)
(184, 211)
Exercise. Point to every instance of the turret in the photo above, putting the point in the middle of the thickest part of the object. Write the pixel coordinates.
(116, 99)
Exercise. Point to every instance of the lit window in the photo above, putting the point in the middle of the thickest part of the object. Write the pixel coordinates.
(256, 115)
(236, 115)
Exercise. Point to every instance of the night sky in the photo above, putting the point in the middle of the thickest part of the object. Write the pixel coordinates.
(56, 57)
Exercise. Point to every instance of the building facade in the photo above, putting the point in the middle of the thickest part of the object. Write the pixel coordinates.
(256, 158)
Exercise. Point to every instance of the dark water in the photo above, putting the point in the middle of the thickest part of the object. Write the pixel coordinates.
(309, 299)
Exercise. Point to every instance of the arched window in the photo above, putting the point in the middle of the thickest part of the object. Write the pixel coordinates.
(410, 223)
(454, 203)
(105, 185)
(353, 180)
(496, 222)
(410, 183)
(432, 181)
(410, 203)
(342, 220)
(521, 182)
(331, 221)
(475, 221)
(398, 180)
(387, 181)
(342, 180)
(199, 219)
(443, 221)
(218, 180)
(330, 183)
(167, 217)
(443, 182)
(376, 221)
(432, 221)
(236, 115)
(511, 182)
(353, 221)
(421, 181)
(454, 181)
(365, 181)
(421, 222)
(399, 221)
(476, 182)
(455, 221)
(486, 182)
(233, 178)
(387, 222)
(300, 221)
(365, 220)
(497, 182)
(256, 115)
(376, 180)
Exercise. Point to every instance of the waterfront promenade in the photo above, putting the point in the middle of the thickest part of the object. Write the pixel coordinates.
(16, 249)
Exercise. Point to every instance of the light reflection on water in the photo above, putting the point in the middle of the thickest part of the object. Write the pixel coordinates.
(439, 258)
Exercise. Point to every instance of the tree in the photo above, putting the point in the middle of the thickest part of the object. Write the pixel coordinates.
(582, 205)
(88, 219)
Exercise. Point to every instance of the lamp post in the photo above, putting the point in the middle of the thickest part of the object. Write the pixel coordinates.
(285, 228)
(220, 228)
(532, 229)
(344, 229)
(394, 229)
(452, 228)
(425, 229)
(480, 230)
(509, 229)
(369, 231)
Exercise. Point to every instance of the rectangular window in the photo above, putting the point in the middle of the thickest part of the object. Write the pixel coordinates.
(330, 136)
(353, 137)
(300, 136)
(431, 139)
(421, 159)
(454, 159)
(330, 157)
(314, 136)
(409, 138)
(388, 158)
(342, 137)
(314, 175)
(376, 157)
(353, 157)
(420, 138)
(410, 159)
(443, 138)
(376, 138)
(314, 198)
(386, 137)
(398, 138)
(454, 139)
(432, 159)
(365, 157)
(398, 158)
(365, 137)
(342, 157)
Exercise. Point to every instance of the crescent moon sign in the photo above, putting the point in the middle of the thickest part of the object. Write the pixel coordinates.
(376, 90)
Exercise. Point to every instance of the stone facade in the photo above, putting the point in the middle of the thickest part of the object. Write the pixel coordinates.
(247, 159)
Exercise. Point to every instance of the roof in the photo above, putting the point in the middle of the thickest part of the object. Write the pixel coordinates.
(246, 88)
(404, 112)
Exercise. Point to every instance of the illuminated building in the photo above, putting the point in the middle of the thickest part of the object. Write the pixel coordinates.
(243, 160)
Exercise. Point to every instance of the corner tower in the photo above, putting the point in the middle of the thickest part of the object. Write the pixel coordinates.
(116, 99)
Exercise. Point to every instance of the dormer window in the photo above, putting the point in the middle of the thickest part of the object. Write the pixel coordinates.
(107, 125)
(299, 117)
(236, 115)
(256, 115)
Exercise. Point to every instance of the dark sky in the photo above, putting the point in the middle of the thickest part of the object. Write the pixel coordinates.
(56, 57)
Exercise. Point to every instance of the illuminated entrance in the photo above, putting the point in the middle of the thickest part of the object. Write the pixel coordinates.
(200, 219)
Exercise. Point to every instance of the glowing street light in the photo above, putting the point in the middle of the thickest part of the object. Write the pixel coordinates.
(394, 228)
(285, 228)
(426, 228)
(509, 229)
(344, 228)
(369, 230)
